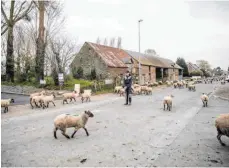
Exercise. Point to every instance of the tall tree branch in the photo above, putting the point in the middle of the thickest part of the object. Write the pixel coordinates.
(4, 14)
(24, 13)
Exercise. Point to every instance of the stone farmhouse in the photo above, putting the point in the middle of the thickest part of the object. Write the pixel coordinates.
(110, 62)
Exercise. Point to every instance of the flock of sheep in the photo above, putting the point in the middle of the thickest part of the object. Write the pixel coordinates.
(64, 121)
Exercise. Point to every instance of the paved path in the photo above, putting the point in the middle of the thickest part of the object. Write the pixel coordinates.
(138, 135)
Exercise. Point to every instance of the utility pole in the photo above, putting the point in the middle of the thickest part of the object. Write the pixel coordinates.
(139, 64)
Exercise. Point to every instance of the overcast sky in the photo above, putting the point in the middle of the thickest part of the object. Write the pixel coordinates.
(193, 30)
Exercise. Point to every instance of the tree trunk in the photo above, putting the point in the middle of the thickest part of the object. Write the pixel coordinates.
(40, 53)
(10, 49)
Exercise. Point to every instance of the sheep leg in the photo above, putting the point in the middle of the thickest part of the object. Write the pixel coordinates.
(53, 103)
(164, 106)
(82, 99)
(5, 109)
(89, 99)
(76, 129)
(203, 104)
(206, 104)
(219, 137)
(74, 99)
(31, 103)
(54, 133)
(86, 131)
(64, 133)
(71, 99)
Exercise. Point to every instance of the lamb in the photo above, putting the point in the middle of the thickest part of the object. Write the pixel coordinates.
(47, 99)
(36, 100)
(191, 87)
(70, 96)
(149, 90)
(122, 91)
(64, 121)
(168, 101)
(137, 90)
(5, 103)
(222, 126)
(144, 89)
(204, 99)
(117, 89)
(86, 95)
(35, 94)
(175, 85)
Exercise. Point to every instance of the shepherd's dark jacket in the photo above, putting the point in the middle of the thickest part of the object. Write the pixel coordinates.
(128, 81)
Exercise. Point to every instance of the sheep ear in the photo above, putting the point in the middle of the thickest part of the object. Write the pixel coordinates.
(85, 112)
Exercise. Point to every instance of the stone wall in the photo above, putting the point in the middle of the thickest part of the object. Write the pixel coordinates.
(19, 89)
(89, 60)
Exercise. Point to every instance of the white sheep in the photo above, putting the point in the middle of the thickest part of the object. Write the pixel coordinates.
(175, 85)
(191, 87)
(86, 95)
(122, 92)
(47, 99)
(70, 96)
(117, 89)
(168, 101)
(36, 100)
(144, 89)
(204, 99)
(137, 90)
(35, 94)
(5, 103)
(64, 121)
(222, 126)
(149, 90)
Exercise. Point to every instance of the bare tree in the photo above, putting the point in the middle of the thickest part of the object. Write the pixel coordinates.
(17, 11)
(61, 53)
(98, 40)
(112, 42)
(119, 42)
(105, 42)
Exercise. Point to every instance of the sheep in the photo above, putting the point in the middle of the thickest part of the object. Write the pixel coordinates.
(64, 121)
(160, 82)
(117, 89)
(122, 91)
(149, 90)
(5, 103)
(204, 99)
(191, 87)
(144, 89)
(222, 126)
(168, 83)
(137, 90)
(47, 99)
(136, 85)
(35, 94)
(168, 101)
(180, 84)
(36, 100)
(86, 95)
(155, 84)
(70, 96)
(175, 85)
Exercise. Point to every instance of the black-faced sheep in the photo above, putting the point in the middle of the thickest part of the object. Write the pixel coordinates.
(86, 95)
(222, 126)
(5, 103)
(47, 99)
(70, 96)
(168, 101)
(35, 94)
(204, 99)
(64, 121)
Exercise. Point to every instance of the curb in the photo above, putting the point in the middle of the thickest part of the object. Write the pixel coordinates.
(15, 93)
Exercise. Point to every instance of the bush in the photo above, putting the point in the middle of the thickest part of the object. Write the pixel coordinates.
(79, 73)
(196, 73)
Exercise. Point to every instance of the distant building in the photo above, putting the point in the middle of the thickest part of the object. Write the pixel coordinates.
(192, 67)
(113, 62)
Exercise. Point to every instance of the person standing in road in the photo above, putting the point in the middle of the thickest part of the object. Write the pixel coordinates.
(127, 86)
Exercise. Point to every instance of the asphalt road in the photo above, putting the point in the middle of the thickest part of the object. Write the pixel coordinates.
(19, 99)
(138, 135)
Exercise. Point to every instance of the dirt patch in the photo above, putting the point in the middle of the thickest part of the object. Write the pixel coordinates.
(223, 91)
